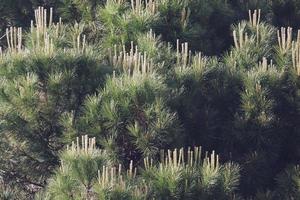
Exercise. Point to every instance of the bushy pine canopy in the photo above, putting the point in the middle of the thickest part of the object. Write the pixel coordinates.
(178, 175)
(120, 76)
(207, 30)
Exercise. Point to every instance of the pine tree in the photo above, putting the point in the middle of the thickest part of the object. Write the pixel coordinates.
(138, 90)
(129, 116)
(238, 105)
(179, 175)
(39, 82)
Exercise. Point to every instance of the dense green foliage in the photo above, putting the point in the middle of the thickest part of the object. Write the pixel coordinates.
(120, 75)
(173, 177)
(207, 30)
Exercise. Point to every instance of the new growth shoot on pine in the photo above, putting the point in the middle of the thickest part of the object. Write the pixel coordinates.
(149, 42)
(185, 14)
(79, 40)
(88, 145)
(40, 37)
(115, 179)
(264, 66)
(185, 58)
(14, 39)
(240, 38)
(112, 176)
(44, 34)
(296, 54)
(131, 62)
(183, 54)
(139, 7)
(284, 36)
(254, 19)
(181, 158)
